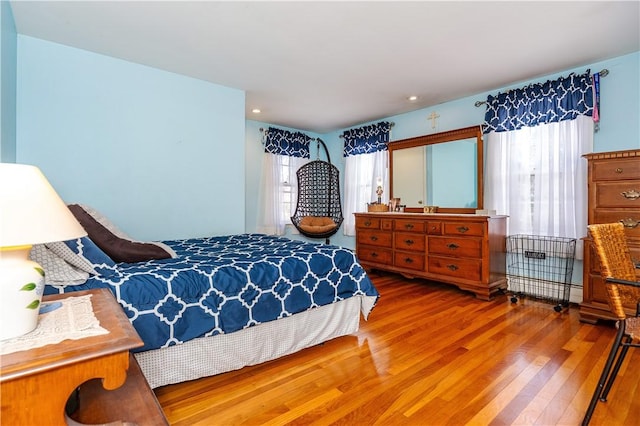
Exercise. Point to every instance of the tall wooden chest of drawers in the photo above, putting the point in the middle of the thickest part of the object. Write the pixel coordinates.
(465, 250)
(614, 196)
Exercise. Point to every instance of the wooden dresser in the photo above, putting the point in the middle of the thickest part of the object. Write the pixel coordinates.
(465, 250)
(614, 196)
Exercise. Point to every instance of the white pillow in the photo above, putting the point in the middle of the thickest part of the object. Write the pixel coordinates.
(63, 251)
(56, 270)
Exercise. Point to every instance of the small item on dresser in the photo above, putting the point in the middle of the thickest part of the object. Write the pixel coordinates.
(430, 209)
(377, 207)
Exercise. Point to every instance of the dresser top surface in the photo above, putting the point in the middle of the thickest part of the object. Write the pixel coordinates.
(630, 153)
(408, 215)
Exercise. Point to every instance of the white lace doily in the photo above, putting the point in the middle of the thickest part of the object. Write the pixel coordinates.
(73, 320)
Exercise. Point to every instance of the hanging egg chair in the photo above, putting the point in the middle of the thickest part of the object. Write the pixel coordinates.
(318, 211)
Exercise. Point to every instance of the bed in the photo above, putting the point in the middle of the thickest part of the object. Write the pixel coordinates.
(216, 304)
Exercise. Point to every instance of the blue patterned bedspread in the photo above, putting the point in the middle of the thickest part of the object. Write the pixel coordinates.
(224, 284)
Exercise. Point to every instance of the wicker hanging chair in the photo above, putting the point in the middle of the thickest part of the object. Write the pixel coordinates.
(318, 211)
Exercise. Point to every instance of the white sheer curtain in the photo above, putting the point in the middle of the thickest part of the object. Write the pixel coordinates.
(537, 176)
(366, 166)
(279, 192)
(361, 176)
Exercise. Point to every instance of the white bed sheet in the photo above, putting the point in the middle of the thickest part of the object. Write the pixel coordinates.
(208, 356)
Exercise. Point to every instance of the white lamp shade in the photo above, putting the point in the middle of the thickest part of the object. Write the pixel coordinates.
(31, 212)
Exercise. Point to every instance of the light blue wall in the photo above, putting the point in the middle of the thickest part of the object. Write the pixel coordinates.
(8, 49)
(619, 107)
(161, 155)
(253, 171)
(140, 143)
(619, 124)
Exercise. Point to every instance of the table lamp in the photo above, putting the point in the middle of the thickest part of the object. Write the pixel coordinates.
(31, 212)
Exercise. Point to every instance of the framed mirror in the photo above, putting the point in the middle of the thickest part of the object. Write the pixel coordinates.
(443, 169)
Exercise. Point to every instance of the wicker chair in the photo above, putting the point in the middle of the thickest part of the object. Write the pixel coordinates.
(619, 272)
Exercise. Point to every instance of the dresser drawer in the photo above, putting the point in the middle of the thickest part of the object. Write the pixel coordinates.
(434, 228)
(409, 260)
(468, 269)
(621, 168)
(458, 247)
(374, 238)
(408, 241)
(634, 251)
(463, 228)
(618, 194)
(374, 254)
(409, 225)
(630, 219)
(368, 222)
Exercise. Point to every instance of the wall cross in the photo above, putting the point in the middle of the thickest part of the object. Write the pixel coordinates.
(433, 117)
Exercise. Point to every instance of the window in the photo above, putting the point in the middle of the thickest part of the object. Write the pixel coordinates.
(535, 139)
(285, 153)
(288, 188)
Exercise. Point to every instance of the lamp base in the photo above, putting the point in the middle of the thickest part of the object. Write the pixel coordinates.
(21, 288)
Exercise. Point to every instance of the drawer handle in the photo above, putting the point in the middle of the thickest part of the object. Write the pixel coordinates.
(630, 223)
(433, 228)
(409, 226)
(619, 170)
(367, 223)
(374, 254)
(452, 246)
(452, 267)
(408, 242)
(408, 260)
(631, 194)
(462, 229)
(374, 238)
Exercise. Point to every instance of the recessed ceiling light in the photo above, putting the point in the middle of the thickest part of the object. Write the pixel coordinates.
(256, 111)
(412, 98)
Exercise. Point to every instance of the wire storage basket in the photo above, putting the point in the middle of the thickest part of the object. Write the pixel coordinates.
(540, 267)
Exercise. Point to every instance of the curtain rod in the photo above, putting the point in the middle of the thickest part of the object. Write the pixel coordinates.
(262, 130)
(390, 125)
(603, 73)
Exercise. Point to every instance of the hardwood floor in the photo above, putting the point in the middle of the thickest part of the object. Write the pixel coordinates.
(428, 355)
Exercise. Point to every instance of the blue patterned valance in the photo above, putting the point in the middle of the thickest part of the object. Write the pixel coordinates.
(284, 142)
(367, 139)
(541, 103)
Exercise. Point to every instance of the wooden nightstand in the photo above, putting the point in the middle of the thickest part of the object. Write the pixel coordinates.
(36, 383)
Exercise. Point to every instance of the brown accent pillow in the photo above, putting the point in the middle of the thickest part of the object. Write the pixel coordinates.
(316, 224)
(118, 249)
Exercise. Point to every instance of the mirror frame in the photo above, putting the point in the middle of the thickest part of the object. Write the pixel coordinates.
(452, 135)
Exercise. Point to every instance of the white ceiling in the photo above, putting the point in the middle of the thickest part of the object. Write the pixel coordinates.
(322, 66)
